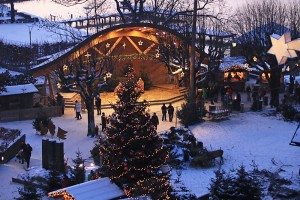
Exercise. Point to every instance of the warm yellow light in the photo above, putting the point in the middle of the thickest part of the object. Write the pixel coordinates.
(255, 59)
(65, 67)
(233, 44)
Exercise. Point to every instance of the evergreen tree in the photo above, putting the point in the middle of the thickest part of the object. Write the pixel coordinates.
(248, 185)
(133, 153)
(78, 171)
(29, 191)
(242, 186)
(54, 181)
(221, 186)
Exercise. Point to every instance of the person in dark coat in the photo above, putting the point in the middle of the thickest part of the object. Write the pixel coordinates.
(20, 154)
(154, 120)
(27, 154)
(103, 121)
(164, 112)
(170, 112)
(98, 105)
(61, 102)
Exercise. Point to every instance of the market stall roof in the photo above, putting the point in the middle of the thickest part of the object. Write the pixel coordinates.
(234, 62)
(19, 89)
(99, 189)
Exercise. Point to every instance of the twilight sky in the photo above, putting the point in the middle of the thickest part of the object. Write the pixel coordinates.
(44, 8)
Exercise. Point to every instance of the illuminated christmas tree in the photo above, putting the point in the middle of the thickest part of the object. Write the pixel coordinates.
(132, 152)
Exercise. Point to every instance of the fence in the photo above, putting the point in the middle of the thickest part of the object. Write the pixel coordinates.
(29, 113)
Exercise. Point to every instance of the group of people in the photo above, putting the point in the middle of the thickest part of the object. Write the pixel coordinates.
(24, 153)
(164, 109)
(105, 119)
(170, 110)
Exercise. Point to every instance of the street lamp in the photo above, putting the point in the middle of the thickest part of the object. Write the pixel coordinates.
(30, 27)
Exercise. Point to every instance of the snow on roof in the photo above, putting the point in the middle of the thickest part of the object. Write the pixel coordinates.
(228, 62)
(19, 89)
(99, 189)
(39, 80)
(36, 33)
(13, 73)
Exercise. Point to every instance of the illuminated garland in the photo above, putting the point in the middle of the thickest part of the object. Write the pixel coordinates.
(61, 193)
(238, 67)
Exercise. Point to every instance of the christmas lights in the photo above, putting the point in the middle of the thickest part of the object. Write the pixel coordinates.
(133, 152)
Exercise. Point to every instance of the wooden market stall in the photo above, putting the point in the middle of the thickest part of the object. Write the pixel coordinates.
(236, 72)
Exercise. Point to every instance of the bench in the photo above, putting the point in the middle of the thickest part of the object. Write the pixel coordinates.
(219, 113)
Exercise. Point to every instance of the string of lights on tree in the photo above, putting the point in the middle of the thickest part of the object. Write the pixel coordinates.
(132, 151)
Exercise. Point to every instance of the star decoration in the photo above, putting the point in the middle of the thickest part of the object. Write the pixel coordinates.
(108, 75)
(87, 55)
(157, 55)
(124, 45)
(65, 67)
(107, 45)
(280, 48)
(140, 43)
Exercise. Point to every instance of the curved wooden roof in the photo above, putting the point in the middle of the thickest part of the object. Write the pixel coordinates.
(109, 39)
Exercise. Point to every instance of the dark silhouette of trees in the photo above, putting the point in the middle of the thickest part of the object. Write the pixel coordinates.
(12, 8)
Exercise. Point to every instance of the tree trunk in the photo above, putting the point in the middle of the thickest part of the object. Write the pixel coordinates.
(91, 119)
(274, 84)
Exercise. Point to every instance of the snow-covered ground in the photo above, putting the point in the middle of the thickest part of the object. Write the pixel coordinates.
(245, 138)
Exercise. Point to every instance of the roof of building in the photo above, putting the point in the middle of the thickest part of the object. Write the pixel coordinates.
(19, 89)
(99, 189)
(229, 62)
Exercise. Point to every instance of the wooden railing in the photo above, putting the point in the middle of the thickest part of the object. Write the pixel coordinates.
(10, 152)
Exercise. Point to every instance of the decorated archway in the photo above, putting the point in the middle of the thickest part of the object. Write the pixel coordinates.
(150, 48)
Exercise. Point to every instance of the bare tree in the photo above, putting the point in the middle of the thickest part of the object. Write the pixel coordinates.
(254, 23)
(65, 32)
(87, 79)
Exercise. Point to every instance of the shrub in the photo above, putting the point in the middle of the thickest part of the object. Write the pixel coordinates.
(189, 114)
(95, 152)
(288, 112)
(41, 117)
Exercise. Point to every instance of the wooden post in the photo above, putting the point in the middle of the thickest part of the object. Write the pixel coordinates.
(59, 156)
(192, 91)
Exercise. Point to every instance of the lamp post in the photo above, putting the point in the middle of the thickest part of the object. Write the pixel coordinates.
(30, 27)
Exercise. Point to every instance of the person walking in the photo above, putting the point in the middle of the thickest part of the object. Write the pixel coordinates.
(164, 112)
(103, 121)
(27, 154)
(20, 154)
(78, 110)
(170, 112)
(98, 105)
(154, 120)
